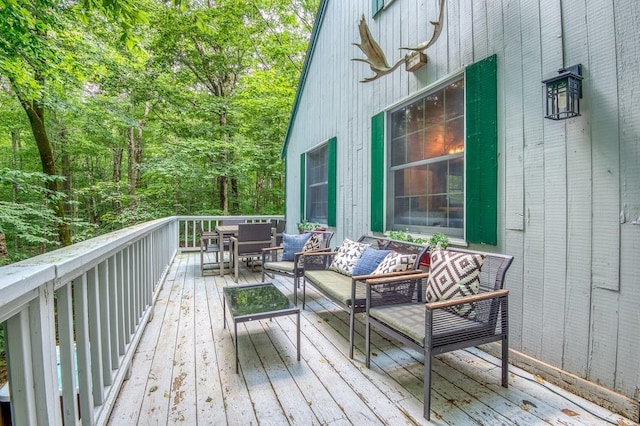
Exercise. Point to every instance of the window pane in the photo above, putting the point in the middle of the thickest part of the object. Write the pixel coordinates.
(454, 95)
(317, 185)
(426, 188)
(398, 151)
(454, 136)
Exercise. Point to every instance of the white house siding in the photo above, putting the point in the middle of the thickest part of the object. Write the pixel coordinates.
(569, 191)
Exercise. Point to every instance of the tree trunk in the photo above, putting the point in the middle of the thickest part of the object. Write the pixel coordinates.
(235, 205)
(132, 166)
(65, 167)
(3, 246)
(90, 200)
(35, 113)
(134, 139)
(222, 193)
(117, 174)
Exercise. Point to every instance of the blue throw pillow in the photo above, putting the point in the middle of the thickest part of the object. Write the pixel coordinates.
(369, 261)
(292, 244)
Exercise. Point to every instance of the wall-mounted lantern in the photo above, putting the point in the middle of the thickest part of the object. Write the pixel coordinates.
(563, 93)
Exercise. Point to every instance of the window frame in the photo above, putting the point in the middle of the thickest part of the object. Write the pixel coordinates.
(389, 195)
(329, 183)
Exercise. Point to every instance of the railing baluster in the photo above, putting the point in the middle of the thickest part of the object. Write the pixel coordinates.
(43, 355)
(94, 306)
(83, 346)
(113, 313)
(68, 365)
(105, 324)
(23, 406)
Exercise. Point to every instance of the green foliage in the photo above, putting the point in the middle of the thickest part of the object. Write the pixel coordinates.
(438, 241)
(204, 89)
(435, 241)
(405, 236)
(308, 226)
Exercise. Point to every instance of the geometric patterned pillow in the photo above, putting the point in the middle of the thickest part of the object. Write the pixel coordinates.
(453, 275)
(347, 256)
(396, 262)
(313, 243)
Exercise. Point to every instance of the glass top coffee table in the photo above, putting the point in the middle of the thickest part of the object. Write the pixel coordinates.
(255, 302)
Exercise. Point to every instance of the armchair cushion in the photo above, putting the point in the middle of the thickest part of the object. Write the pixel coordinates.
(395, 262)
(347, 256)
(369, 261)
(292, 244)
(454, 275)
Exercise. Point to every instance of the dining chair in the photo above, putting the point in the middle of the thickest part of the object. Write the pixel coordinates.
(248, 243)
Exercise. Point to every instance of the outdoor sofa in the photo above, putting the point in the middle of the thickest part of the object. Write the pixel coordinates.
(348, 290)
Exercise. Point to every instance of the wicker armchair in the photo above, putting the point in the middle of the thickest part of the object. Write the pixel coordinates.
(272, 263)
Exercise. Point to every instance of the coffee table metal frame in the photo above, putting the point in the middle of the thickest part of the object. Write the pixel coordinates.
(258, 315)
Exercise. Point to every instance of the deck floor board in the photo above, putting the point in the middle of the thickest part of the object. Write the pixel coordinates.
(183, 371)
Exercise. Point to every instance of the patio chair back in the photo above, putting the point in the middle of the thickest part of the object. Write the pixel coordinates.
(253, 237)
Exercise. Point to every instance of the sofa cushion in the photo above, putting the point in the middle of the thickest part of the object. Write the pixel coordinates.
(347, 256)
(292, 244)
(453, 275)
(396, 262)
(336, 285)
(369, 261)
(409, 320)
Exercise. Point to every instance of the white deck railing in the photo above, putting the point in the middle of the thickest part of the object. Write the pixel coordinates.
(73, 317)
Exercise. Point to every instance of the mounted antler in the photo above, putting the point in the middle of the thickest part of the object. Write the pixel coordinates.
(375, 56)
(436, 32)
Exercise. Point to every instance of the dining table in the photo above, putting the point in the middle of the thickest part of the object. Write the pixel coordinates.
(225, 231)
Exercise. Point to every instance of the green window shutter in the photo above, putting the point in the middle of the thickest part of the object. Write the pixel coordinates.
(332, 186)
(377, 172)
(376, 6)
(482, 152)
(303, 184)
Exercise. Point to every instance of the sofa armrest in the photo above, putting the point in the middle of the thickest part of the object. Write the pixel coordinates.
(392, 277)
(467, 299)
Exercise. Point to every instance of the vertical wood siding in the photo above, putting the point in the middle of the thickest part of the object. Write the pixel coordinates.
(569, 193)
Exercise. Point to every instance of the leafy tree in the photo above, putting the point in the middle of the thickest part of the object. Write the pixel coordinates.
(38, 55)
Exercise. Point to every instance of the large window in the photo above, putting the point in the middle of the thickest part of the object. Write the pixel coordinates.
(434, 159)
(317, 184)
(426, 144)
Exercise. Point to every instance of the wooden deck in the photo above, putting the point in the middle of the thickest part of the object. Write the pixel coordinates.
(184, 371)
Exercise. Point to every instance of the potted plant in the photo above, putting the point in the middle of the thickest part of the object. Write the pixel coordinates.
(437, 241)
(305, 226)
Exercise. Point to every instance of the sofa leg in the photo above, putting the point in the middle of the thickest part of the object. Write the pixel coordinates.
(505, 361)
(427, 386)
(367, 343)
(352, 321)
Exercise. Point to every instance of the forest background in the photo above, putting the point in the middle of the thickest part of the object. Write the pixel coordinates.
(116, 112)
